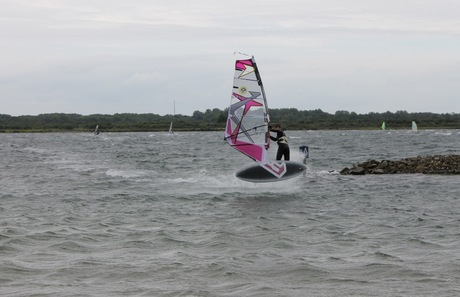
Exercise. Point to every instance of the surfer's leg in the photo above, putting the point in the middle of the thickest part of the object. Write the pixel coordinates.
(286, 152)
(279, 153)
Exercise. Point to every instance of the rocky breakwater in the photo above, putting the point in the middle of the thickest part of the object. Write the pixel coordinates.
(438, 164)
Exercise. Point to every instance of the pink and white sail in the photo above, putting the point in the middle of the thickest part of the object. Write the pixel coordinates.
(247, 122)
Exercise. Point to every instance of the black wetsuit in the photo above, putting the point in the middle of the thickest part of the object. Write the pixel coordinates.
(283, 147)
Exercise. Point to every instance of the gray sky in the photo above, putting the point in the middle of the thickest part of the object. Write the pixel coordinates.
(141, 56)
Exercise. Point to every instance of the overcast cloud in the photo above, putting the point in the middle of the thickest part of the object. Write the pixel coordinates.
(141, 56)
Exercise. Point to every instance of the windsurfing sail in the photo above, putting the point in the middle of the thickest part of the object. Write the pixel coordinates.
(96, 130)
(247, 122)
(174, 115)
(414, 126)
(383, 126)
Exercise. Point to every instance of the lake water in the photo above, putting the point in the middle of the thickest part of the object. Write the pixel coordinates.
(152, 214)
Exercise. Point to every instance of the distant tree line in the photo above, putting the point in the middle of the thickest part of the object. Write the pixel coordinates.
(291, 119)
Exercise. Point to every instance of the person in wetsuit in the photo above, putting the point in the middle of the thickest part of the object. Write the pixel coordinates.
(281, 139)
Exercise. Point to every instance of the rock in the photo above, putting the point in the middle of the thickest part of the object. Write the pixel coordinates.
(345, 171)
(358, 171)
(438, 164)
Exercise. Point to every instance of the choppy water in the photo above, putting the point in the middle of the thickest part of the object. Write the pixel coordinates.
(150, 214)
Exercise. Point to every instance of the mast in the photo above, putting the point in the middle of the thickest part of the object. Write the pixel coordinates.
(266, 116)
(259, 81)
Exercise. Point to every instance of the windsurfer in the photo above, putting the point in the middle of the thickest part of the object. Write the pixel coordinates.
(281, 139)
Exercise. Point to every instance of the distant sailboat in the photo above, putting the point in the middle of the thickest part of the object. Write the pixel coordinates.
(96, 130)
(383, 126)
(414, 126)
(171, 125)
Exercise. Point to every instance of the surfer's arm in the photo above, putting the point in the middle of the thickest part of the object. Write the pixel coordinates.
(278, 135)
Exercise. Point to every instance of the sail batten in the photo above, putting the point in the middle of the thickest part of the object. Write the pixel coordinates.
(247, 122)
